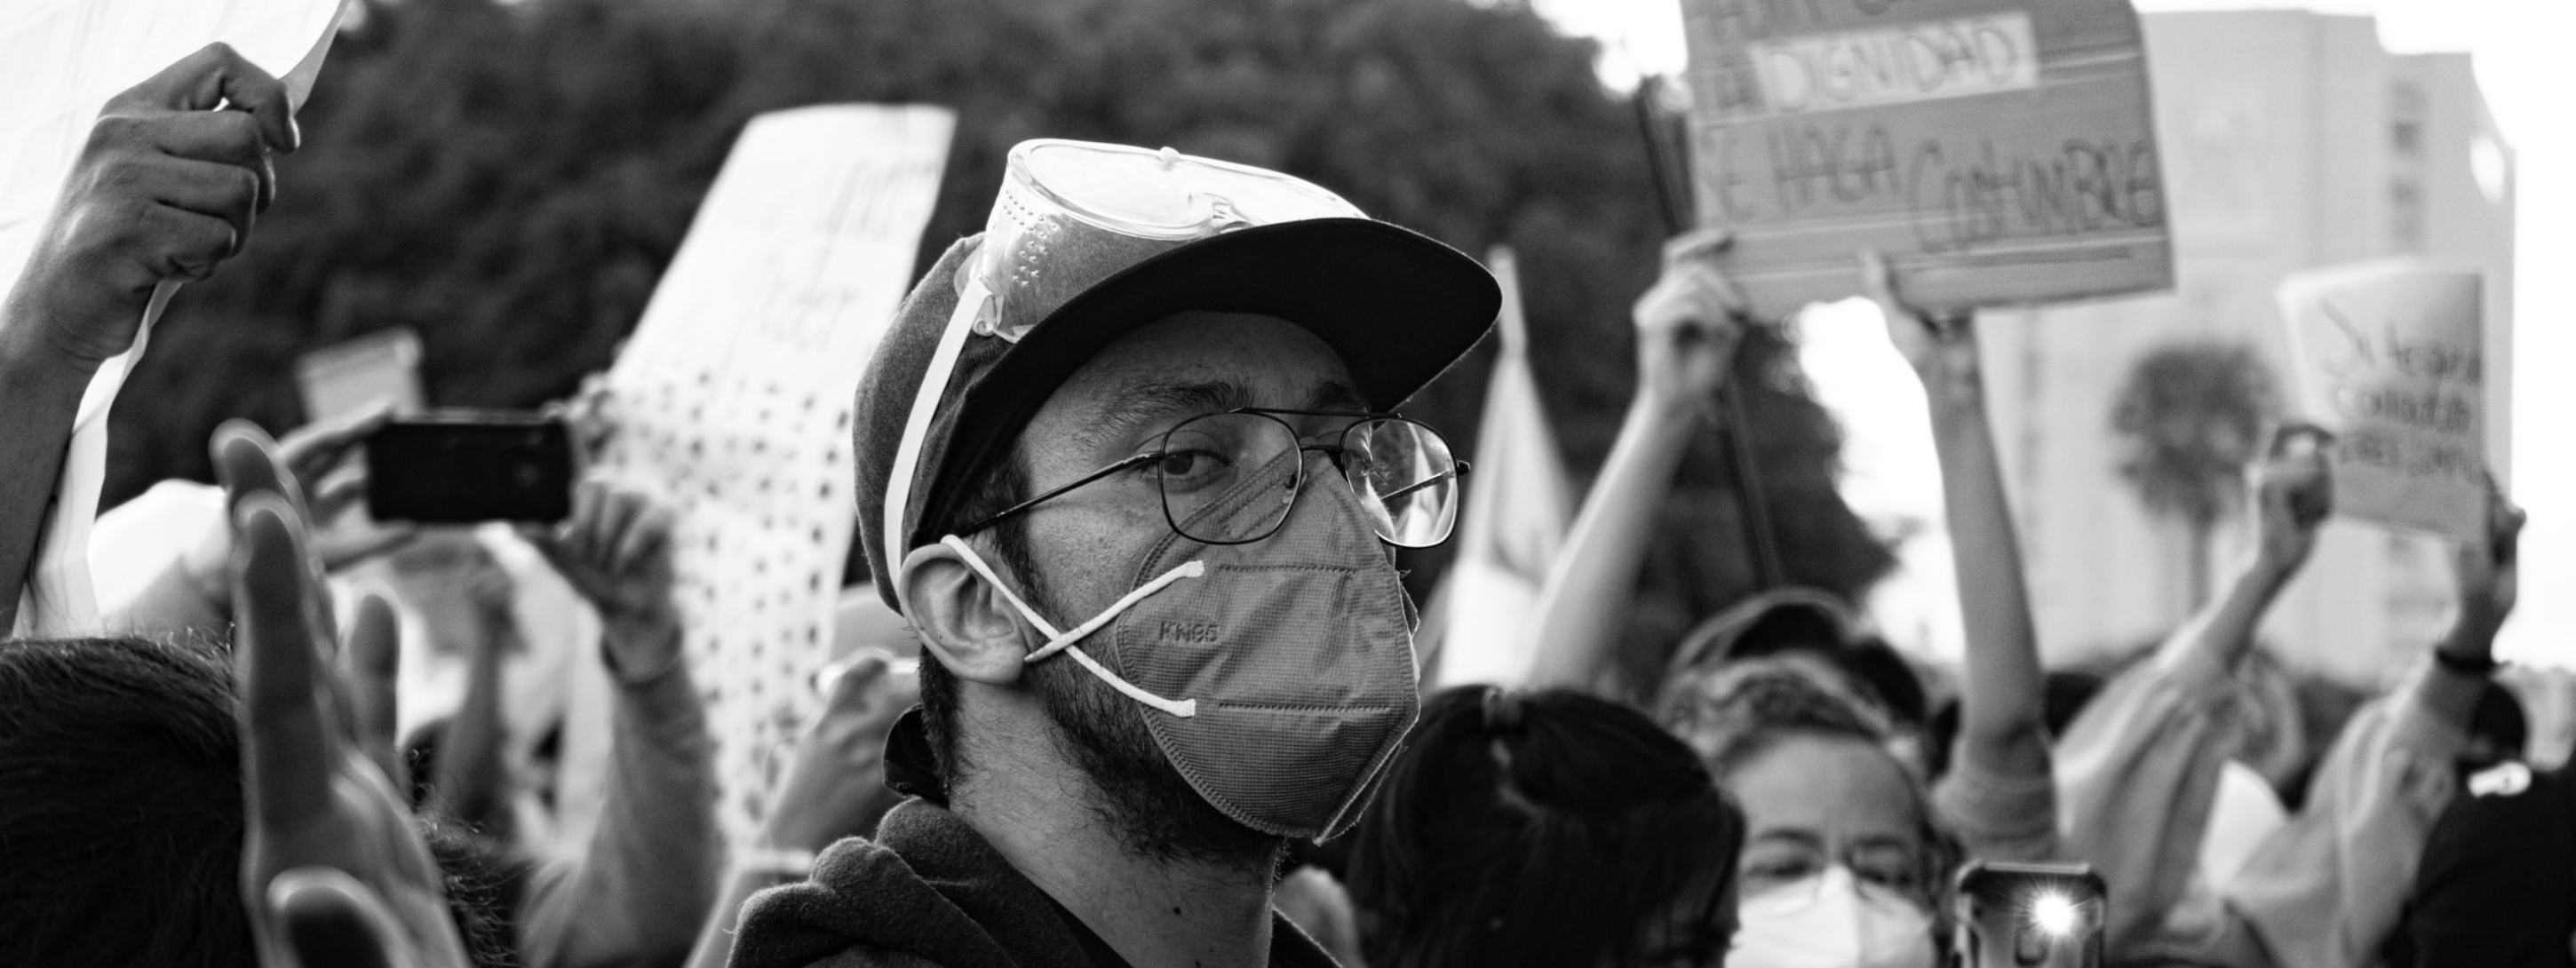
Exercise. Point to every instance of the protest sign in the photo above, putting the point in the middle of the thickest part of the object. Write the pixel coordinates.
(1997, 151)
(2390, 355)
(74, 55)
(736, 394)
(382, 367)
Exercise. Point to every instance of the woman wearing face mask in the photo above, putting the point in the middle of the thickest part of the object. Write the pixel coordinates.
(1544, 830)
(1844, 862)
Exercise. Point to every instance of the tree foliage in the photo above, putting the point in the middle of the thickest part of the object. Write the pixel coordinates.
(2191, 417)
(509, 179)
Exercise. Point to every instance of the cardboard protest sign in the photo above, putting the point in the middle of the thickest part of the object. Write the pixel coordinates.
(2390, 355)
(1997, 151)
(736, 392)
(68, 57)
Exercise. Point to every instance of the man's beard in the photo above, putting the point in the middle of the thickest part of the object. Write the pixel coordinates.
(1153, 810)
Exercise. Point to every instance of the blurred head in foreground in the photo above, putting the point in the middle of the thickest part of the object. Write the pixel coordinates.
(1843, 860)
(121, 831)
(121, 821)
(1553, 828)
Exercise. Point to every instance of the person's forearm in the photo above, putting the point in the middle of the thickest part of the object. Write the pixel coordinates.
(649, 874)
(2224, 630)
(1595, 572)
(40, 392)
(2002, 702)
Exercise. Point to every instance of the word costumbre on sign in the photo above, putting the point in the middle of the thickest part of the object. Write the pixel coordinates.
(2391, 356)
(1998, 152)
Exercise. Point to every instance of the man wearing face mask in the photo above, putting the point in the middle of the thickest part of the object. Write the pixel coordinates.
(1128, 465)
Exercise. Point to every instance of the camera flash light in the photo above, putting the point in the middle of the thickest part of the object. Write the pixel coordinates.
(2055, 914)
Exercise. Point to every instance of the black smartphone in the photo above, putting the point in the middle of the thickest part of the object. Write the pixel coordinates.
(2029, 915)
(466, 466)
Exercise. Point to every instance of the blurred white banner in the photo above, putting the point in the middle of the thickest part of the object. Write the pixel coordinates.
(736, 395)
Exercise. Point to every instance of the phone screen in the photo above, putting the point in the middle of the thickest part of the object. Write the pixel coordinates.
(458, 467)
(2029, 915)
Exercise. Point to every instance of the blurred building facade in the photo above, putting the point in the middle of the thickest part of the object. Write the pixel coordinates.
(2290, 140)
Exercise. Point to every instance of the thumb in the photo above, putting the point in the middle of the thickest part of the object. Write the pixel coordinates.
(218, 76)
(247, 462)
(852, 682)
(330, 920)
(1878, 282)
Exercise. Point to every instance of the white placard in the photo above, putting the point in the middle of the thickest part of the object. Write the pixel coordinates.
(62, 60)
(736, 395)
(2391, 356)
(1898, 64)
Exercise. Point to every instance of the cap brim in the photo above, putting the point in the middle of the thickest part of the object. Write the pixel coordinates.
(1397, 306)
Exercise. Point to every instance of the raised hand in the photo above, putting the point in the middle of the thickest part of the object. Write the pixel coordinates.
(615, 549)
(2488, 573)
(165, 188)
(837, 786)
(1689, 324)
(329, 849)
(1941, 349)
(309, 457)
(2293, 495)
(316, 454)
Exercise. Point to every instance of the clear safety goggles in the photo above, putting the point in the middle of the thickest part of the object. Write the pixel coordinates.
(1073, 213)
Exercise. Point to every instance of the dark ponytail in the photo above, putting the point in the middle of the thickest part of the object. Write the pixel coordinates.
(1538, 829)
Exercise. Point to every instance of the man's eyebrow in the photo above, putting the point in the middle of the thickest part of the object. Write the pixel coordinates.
(1156, 403)
(1336, 395)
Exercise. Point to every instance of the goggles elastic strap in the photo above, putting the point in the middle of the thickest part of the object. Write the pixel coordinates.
(1064, 641)
(925, 405)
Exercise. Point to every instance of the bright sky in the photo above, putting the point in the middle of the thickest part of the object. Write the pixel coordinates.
(2518, 47)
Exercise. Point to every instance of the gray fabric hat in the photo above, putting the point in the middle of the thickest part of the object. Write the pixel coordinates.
(1397, 306)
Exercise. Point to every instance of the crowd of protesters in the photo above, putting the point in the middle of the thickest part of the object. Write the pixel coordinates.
(1160, 706)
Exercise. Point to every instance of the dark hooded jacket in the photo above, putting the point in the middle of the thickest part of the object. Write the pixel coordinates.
(930, 891)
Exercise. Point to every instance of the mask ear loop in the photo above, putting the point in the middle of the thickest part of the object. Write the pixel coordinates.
(1064, 641)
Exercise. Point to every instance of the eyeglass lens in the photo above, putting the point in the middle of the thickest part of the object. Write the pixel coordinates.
(1404, 474)
(1230, 478)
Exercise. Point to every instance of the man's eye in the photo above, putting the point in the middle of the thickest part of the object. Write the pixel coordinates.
(1188, 465)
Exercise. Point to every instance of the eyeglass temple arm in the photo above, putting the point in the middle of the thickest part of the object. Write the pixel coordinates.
(1450, 475)
(998, 517)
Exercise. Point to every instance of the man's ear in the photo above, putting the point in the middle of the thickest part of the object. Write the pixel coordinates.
(962, 619)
